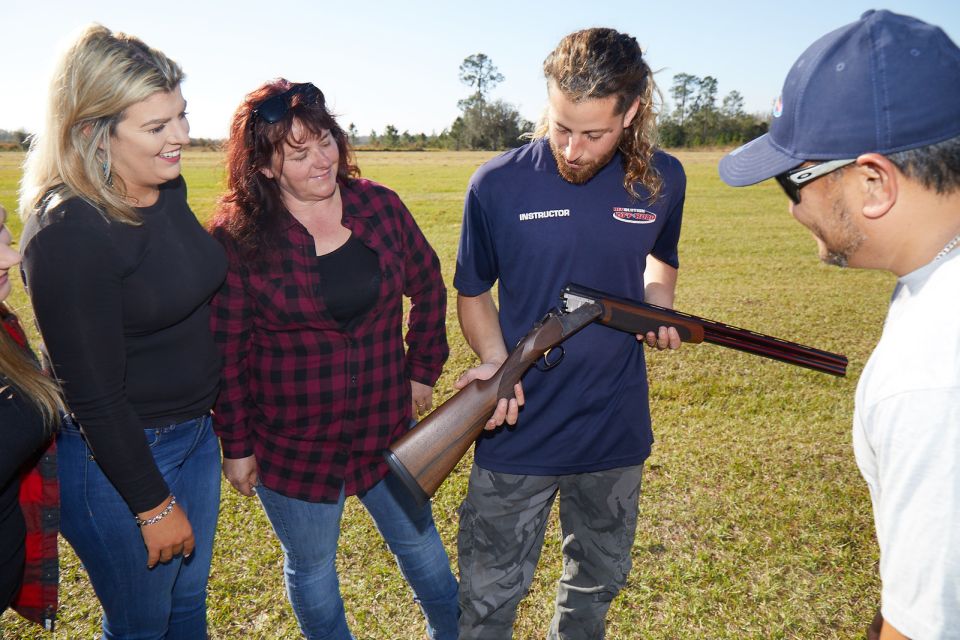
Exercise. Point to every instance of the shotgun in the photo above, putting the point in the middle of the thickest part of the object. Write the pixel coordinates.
(424, 456)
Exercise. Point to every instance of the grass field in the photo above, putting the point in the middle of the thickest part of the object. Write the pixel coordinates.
(754, 520)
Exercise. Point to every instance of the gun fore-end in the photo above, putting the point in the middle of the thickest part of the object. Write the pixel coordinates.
(632, 317)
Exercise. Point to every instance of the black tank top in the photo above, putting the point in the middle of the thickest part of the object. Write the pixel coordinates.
(351, 281)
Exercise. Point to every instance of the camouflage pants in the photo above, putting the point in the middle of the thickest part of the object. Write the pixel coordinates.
(502, 525)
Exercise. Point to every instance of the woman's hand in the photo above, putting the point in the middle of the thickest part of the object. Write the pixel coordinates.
(241, 473)
(422, 398)
(169, 536)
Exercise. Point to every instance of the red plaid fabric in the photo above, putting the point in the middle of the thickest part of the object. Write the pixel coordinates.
(40, 503)
(317, 404)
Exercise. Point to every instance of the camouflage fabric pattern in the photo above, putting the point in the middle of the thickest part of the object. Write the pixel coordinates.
(502, 524)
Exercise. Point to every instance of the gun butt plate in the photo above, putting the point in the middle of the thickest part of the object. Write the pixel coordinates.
(401, 471)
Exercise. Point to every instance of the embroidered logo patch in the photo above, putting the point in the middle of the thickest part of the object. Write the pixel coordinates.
(633, 216)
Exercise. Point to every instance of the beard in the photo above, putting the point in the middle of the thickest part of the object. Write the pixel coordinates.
(842, 241)
(583, 172)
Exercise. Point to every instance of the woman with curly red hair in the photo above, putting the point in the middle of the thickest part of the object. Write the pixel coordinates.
(316, 379)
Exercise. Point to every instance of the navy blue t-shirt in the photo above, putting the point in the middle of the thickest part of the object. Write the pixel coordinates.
(531, 230)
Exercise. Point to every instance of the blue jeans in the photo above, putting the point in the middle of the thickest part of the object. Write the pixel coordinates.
(168, 601)
(308, 533)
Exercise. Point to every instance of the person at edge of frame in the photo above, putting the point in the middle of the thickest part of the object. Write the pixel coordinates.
(590, 199)
(30, 409)
(865, 141)
(120, 275)
(316, 380)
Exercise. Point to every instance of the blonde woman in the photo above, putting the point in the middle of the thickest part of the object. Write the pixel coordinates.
(29, 409)
(120, 274)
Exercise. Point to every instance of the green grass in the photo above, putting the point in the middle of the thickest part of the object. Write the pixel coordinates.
(754, 520)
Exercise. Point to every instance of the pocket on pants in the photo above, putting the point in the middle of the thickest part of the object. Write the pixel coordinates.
(466, 543)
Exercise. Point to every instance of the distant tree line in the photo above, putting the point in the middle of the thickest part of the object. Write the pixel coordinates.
(482, 123)
(697, 121)
(13, 140)
(20, 140)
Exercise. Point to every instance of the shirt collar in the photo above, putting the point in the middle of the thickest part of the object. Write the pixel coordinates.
(353, 204)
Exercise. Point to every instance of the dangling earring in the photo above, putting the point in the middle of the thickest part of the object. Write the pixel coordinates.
(104, 156)
(107, 177)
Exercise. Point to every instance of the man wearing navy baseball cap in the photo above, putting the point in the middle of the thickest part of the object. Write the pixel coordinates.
(865, 141)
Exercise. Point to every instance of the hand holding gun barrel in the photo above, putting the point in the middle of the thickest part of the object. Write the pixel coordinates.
(425, 455)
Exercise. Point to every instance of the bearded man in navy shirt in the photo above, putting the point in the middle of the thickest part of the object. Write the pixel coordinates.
(593, 201)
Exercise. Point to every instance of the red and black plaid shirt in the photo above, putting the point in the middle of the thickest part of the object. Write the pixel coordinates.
(315, 403)
(40, 503)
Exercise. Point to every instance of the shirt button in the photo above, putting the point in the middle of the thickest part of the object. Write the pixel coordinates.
(353, 379)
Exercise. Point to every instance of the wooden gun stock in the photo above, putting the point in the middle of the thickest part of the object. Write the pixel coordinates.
(424, 456)
(640, 317)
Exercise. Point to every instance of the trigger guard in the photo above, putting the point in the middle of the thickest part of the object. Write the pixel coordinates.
(546, 363)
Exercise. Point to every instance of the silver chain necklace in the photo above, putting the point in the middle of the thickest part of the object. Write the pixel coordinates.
(948, 247)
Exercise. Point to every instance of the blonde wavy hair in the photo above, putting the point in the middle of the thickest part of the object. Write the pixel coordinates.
(98, 77)
(597, 63)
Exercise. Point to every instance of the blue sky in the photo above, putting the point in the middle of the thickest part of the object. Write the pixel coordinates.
(397, 63)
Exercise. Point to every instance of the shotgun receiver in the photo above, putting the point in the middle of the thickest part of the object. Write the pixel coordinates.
(424, 456)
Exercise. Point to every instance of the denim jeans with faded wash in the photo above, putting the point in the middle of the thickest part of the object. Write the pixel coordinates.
(168, 601)
(308, 533)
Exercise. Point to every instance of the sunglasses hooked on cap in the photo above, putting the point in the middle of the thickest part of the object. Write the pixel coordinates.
(274, 108)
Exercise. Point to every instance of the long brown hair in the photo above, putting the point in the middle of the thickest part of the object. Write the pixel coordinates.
(19, 370)
(251, 210)
(598, 63)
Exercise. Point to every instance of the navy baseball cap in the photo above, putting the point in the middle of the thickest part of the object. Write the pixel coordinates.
(882, 84)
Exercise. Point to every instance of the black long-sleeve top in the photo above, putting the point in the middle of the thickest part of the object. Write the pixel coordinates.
(124, 315)
(22, 433)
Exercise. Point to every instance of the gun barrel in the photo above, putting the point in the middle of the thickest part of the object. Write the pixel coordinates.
(639, 317)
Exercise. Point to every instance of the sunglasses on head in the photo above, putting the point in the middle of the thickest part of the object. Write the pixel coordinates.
(795, 179)
(275, 107)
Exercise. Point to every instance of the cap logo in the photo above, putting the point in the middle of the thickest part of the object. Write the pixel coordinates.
(778, 107)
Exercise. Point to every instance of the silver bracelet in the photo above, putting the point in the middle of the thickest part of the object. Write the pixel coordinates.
(160, 516)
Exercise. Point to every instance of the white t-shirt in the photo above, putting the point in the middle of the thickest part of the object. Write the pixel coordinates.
(906, 438)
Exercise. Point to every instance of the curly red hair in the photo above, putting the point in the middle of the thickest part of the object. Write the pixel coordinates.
(251, 210)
